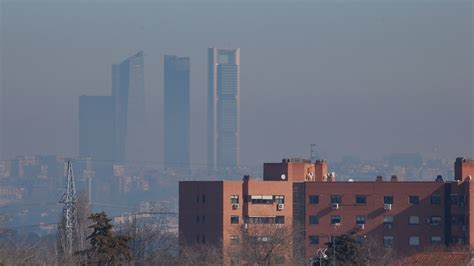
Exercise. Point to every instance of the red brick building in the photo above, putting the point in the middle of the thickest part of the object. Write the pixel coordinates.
(408, 216)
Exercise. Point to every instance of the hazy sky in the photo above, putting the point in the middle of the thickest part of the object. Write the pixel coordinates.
(363, 78)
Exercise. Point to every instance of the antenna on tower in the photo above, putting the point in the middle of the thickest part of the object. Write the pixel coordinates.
(312, 156)
(68, 227)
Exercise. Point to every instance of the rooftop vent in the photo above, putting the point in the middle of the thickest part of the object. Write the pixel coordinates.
(379, 178)
(394, 178)
(439, 178)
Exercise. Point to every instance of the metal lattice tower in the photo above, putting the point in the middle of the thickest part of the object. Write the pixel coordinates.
(69, 199)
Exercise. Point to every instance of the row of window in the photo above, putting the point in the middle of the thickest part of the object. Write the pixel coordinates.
(234, 219)
(388, 220)
(362, 199)
(259, 199)
(454, 199)
(387, 240)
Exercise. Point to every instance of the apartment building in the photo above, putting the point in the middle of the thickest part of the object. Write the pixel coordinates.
(303, 196)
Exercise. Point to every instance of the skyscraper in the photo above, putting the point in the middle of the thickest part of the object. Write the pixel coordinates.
(223, 108)
(177, 102)
(96, 127)
(128, 91)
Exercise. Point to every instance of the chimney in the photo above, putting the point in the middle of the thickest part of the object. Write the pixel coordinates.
(379, 178)
(320, 170)
(394, 178)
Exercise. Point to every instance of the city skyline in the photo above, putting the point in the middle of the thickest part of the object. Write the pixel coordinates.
(412, 94)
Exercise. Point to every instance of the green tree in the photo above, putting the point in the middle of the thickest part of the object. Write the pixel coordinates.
(345, 250)
(106, 248)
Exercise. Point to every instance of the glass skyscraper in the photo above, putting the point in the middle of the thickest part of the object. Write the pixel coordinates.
(223, 149)
(128, 91)
(96, 127)
(177, 108)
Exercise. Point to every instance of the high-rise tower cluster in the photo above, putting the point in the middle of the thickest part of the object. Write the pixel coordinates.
(113, 127)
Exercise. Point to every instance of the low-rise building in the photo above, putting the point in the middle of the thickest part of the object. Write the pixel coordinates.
(302, 196)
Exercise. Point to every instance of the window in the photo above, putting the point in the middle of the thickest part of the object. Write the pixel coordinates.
(461, 200)
(258, 199)
(414, 200)
(435, 220)
(435, 240)
(234, 240)
(435, 199)
(203, 239)
(203, 198)
(314, 240)
(280, 219)
(414, 241)
(336, 199)
(361, 199)
(335, 219)
(388, 222)
(197, 239)
(197, 219)
(387, 199)
(454, 199)
(360, 219)
(203, 219)
(234, 219)
(458, 219)
(197, 198)
(388, 241)
(313, 199)
(458, 240)
(414, 220)
(313, 219)
(234, 199)
(279, 199)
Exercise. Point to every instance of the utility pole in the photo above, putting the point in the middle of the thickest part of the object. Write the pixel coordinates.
(68, 228)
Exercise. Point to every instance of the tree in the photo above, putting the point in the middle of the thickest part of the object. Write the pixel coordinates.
(266, 244)
(150, 242)
(345, 250)
(200, 255)
(106, 248)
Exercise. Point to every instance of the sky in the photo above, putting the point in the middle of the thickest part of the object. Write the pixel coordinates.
(357, 78)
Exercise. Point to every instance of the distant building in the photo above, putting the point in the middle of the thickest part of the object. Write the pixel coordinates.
(113, 128)
(97, 128)
(177, 111)
(302, 196)
(128, 91)
(223, 108)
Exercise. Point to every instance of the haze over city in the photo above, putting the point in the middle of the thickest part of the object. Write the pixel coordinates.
(361, 78)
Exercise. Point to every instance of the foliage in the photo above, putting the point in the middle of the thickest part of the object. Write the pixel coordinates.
(345, 250)
(106, 248)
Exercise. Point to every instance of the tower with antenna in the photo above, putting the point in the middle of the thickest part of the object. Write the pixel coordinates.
(68, 226)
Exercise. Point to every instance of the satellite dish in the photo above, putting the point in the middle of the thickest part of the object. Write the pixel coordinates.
(283, 177)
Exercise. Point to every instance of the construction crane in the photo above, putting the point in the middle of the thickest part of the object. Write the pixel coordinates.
(68, 227)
